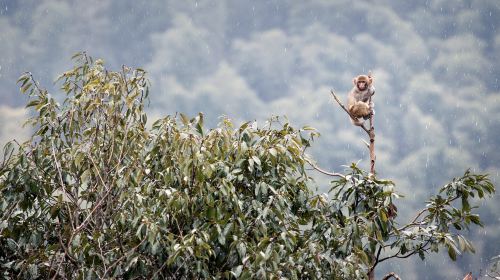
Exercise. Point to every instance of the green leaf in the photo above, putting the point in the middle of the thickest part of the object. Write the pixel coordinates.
(26, 87)
(403, 249)
(308, 128)
(79, 157)
(24, 78)
(244, 126)
(242, 250)
(382, 215)
(421, 255)
(185, 119)
(199, 128)
(76, 55)
(86, 176)
(475, 219)
(211, 213)
(8, 149)
(198, 203)
(273, 152)
(256, 160)
(33, 103)
(236, 272)
(452, 253)
(461, 243)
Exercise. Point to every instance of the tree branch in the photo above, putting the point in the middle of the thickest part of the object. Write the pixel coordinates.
(376, 259)
(422, 247)
(127, 254)
(323, 171)
(370, 132)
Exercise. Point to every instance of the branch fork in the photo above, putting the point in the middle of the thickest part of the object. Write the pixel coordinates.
(370, 131)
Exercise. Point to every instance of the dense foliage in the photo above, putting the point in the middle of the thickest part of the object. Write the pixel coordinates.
(96, 193)
(435, 64)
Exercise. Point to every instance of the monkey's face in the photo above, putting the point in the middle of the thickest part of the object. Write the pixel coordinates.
(362, 85)
(362, 82)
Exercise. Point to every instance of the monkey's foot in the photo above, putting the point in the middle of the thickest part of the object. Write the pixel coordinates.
(369, 115)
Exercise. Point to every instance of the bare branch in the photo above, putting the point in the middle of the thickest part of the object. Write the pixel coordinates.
(101, 201)
(323, 171)
(58, 268)
(63, 186)
(371, 133)
(414, 221)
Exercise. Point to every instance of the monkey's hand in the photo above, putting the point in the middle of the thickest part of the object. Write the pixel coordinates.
(371, 106)
(372, 113)
(371, 90)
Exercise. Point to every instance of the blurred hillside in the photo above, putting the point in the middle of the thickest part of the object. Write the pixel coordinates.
(435, 65)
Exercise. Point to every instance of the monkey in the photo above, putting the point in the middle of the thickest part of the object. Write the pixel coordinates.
(358, 100)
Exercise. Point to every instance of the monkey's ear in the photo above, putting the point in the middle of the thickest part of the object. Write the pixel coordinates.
(370, 80)
(354, 81)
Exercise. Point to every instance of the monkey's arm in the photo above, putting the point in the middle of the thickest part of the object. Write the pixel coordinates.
(351, 101)
(371, 90)
(346, 110)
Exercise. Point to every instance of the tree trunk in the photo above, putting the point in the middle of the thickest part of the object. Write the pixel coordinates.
(372, 144)
(371, 275)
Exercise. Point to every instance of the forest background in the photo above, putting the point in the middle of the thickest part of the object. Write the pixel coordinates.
(435, 65)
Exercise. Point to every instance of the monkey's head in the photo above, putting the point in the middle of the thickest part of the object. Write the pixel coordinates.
(362, 82)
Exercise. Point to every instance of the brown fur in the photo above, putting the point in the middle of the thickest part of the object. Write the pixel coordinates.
(358, 100)
(360, 109)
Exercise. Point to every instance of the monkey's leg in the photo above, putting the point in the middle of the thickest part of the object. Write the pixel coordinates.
(357, 121)
(371, 112)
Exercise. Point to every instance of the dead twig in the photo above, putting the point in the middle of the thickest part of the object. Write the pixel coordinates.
(323, 171)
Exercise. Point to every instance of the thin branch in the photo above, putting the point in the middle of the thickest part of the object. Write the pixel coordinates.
(124, 256)
(125, 140)
(371, 133)
(193, 169)
(58, 268)
(414, 221)
(84, 223)
(66, 250)
(159, 270)
(35, 82)
(406, 256)
(61, 181)
(63, 186)
(323, 171)
(376, 259)
(101, 254)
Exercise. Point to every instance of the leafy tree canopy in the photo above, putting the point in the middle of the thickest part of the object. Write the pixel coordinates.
(95, 193)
